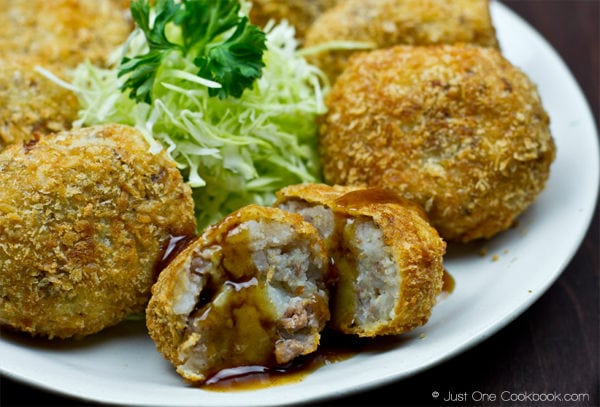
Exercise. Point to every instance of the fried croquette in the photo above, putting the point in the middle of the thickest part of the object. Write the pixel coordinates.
(300, 13)
(457, 129)
(250, 290)
(385, 23)
(30, 104)
(388, 259)
(54, 35)
(84, 217)
(66, 32)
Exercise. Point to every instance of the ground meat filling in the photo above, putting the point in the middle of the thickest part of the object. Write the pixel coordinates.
(319, 216)
(260, 299)
(377, 284)
(369, 282)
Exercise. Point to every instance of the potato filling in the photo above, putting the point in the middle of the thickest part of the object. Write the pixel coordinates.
(260, 303)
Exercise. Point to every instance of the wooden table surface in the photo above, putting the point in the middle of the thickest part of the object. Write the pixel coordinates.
(551, 348)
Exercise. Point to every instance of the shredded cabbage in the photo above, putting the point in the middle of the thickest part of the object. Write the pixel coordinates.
(231, 151)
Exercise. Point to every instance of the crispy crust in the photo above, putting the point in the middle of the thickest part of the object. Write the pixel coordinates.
(386, 23)
(169, 325)
(84, 217)
(299, 13)
(167, 328)
(32, 105)
(418, 252)
(316, 194)
(416, 246)
(65, 32)
(457, 129)
(55, 35)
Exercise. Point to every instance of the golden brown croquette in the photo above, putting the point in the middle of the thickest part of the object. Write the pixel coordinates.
(66, 32)
(30, 104)
(388, 259)
(385, 23)
(54, 35)
(299, 13)
(84, 217)
(458, 129)
(249, 291)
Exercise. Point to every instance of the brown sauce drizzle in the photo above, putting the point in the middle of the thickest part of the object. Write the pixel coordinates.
(354, 200)
(447, 287)
(449, 283)
(172, 247)
(259, 377)
(334, 347)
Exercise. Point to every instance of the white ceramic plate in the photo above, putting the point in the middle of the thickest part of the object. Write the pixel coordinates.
(122, 366)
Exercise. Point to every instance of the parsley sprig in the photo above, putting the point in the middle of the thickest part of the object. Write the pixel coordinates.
(223, 45)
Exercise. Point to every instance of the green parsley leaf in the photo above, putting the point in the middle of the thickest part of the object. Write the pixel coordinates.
(234, 63)
(143, 68)
(212, 35)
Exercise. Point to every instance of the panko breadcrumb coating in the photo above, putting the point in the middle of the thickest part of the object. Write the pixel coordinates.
(299, 13)
(385, 23)
(30, 104)
(55, 35)
(388, 259)
(251, 291)
(84, 218)
(457, 129)
(65, 32)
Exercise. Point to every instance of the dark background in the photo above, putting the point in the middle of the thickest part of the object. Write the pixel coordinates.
(554, 345)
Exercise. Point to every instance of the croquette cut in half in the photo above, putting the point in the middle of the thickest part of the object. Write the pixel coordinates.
(251, 290)
(455, 128)
(388, 259)
(386, 23)
(84, 218)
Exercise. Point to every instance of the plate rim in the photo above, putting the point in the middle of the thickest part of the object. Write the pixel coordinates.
(496, 8)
